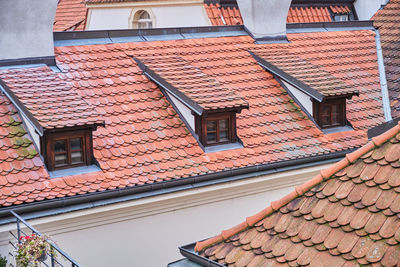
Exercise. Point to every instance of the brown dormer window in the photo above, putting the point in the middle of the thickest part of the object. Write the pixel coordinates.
(331, 113)
(68, 149)
(216, 128)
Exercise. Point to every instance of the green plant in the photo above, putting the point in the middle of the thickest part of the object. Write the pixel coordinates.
(32, 250)
(3, 261)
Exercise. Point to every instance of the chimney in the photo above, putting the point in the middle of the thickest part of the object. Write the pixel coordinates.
(26, 29)
(265, 19)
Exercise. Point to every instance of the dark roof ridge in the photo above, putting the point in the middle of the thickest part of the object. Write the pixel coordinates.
(68, 38)
(299, 190)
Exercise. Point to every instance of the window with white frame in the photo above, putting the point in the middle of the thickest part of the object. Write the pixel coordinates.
(142, 20)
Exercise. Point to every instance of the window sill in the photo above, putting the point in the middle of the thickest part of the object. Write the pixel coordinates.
(74, 171)
(337, 129)
(224, 147)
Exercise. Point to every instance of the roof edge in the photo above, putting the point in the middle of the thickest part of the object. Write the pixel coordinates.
(288, 78)
(169, 87)
(101, 198)
(299, 190)
(21, 107)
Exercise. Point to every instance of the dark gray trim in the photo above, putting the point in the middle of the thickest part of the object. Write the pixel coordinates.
(188, 252)
(49, 61)
(192, 131)
(310, 116)
(21, 107)
(353, 24)
(170, 88)
(381, 128)
(287, 78)
(267, 39)
(97, 199)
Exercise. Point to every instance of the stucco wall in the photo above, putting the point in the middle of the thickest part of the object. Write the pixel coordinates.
(304, 99)
(164, 16)
(367, 8)
(148, 232)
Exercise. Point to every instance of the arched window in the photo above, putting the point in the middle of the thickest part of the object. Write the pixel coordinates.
(142, 20)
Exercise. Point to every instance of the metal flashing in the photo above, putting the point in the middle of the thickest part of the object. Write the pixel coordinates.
(188, 252)
(354, 25)
(384, 127)
(142, 35)
(49, 61)
(168, 87)
(287, 78)
(382, 76)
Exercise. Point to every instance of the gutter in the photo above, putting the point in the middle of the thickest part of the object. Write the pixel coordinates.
(97, 199)
(382, 76)
(188, 252)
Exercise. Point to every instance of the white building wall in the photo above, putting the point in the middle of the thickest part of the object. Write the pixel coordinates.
(185, 111)
(304, 99)
(367, 8)
(114, 17)
(148, 232)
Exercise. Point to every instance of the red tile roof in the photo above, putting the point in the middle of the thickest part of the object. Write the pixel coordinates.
(220, 16)
(348, 215)
(70, 15)
(308, 63)
(388, 21)
(198, 84)
(308, 14)
(145, 141)
(340, 10)
(53, 102)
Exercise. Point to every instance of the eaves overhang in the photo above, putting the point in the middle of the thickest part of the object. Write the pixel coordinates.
(66, 204)
(288, 78)
(192, 105)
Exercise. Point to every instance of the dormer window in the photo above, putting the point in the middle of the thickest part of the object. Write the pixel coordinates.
(330, 113)
(216, 128)
(68, 149)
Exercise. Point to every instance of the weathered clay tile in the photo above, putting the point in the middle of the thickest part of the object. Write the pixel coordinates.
(333, 233)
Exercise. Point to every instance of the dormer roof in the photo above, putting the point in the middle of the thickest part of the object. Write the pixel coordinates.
(190, 78)
(48, 101)
(314, 69)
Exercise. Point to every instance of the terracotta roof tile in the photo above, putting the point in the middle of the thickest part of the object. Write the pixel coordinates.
(144, 141)
(219, 15)
(70, 15)
(387, 20)
(354, 236)
(53, 102)
(340, 10)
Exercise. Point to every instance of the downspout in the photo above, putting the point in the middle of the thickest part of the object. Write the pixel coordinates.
(382, 75)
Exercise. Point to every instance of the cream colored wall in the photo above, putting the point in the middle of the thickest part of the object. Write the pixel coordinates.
(185, 111)
(304, 99)
(148, 232)
(367, 8)
(165, 14)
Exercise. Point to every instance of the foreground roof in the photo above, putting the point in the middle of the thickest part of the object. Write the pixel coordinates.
(348, 215)
(388, 22)
(70, 15)
(145, 142)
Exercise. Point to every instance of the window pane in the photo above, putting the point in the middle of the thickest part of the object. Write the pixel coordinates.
(76, 157)
(223, 125)
(211, 137)
(211, 126)
(60, 159)
(60, 146)
(223, 136)
(76, 144)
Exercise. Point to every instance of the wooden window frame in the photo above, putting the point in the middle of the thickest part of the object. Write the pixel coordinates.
(317, 110)
(201, 127)
(49, 153)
